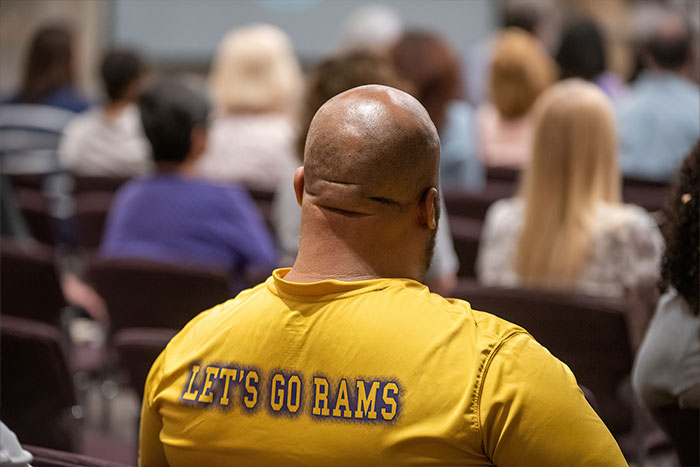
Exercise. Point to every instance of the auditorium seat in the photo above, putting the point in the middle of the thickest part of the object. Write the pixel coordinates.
(143, 293)
(36, 211)
(30, 287)
(683, 427)
(649, 194)
(475, 204)
(44, 457)
(465, 236)
(37, 395)
(587, 333)
(91, 210)
(502, 174)
(138, 349)
(87, 184)
(263, 200)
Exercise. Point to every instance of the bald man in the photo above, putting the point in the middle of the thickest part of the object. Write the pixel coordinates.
(346, 359)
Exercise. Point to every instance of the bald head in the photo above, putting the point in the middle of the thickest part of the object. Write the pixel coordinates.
(375, 138)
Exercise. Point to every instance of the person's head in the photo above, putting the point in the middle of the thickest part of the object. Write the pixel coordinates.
(581, 51)
(680, 266)
(49, 63)
(121, 72)
(255, 70)
(369, 185)
(573, 169)
(373, 26)
(174, 116)
(520, 70)
(670, 45)
(341, 72)
(432, 66)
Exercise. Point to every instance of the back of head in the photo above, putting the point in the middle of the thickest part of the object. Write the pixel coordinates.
(669, 47)
(432, 66)
(255, 70)
(680, 266)
(170, 110)
(573, 168)
(581, 52)
(120, 70)
(520, 70)
(341, 72)
(49, 63)
(370, 185)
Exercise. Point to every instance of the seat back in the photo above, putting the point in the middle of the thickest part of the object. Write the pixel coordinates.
(45, 457)
(474, 205)
(144, 293)
(30, 287)
(87, 184)
(138, 349)
(91, 210)
(465, 236)
(589, 334)
(36, 390)
(683, 427)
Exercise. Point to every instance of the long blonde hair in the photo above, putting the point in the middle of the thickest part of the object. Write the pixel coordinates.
(255, 70)
(573, 170)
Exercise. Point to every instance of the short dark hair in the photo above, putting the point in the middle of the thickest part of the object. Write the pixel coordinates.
(49, 63)
(120, 69)
(581, 52)
(170, 110)
(672, 51)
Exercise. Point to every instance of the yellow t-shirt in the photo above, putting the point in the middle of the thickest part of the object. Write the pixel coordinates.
(378, 372)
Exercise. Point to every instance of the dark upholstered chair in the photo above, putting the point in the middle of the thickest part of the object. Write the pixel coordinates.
(142, 293)
(502, 174)
(651, 195)
(589, 334)
(91, 210)
(465, 236)
(138, 349)
(263, 200)
(30, 287)
(36, 211)
(88, 184)
(474, 205)
(44, 457)
(36, 389)
(683, 427)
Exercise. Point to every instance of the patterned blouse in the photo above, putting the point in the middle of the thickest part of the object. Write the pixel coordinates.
(625, 251)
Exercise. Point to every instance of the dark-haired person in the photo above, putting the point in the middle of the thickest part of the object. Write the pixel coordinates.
(172, 216)
(658, 120)
(582, 54)
(667, 368)
(48, 77)
(109, 140)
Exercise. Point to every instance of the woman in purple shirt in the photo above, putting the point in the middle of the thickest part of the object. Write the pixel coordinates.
(175, 217)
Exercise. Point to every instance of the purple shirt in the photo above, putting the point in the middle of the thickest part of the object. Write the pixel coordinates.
(174, 219)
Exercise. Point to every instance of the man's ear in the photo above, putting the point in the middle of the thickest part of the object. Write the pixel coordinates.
(427, 210)
(299, 183)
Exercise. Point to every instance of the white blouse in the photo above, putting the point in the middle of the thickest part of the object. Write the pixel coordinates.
(625, 250)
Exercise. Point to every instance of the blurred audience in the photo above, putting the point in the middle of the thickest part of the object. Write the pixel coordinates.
(658, 119)
(567, 229)
(582, 55)
(48, 77)
(334, 75)
(666, 367)
(373, 26)
(175, 217)
(432, 66)
(520, 71)
(256, 83)
(109, 140)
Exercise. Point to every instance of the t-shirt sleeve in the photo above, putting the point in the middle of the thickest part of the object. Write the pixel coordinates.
(151, 451)
(532, 412)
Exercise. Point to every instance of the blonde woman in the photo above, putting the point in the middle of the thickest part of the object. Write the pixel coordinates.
(520, 71)
(256, 84)
(567, 229)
